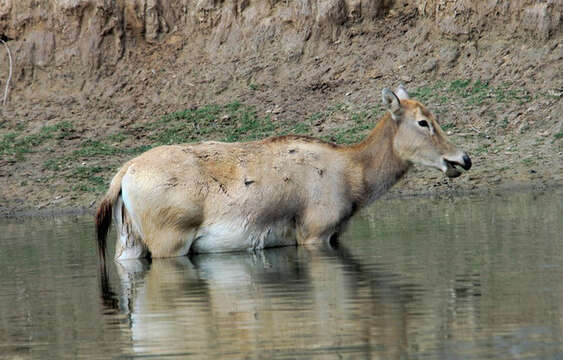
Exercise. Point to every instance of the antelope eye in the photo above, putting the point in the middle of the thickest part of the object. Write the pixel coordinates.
(423, 123)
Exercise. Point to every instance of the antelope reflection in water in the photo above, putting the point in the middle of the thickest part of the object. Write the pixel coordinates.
(293, 300)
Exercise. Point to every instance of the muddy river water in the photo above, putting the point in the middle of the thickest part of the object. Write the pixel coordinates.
(473, 277)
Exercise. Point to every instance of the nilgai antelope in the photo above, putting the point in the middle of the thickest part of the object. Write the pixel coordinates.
(218, 197)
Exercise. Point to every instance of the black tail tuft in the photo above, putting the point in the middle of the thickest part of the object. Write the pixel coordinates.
(103, 222)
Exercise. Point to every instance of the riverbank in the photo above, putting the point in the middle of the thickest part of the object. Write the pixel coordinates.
(67, 125)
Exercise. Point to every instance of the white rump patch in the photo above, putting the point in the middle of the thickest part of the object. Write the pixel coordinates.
(127, 245)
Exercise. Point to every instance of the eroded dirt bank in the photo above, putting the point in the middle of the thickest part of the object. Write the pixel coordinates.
(92, 81)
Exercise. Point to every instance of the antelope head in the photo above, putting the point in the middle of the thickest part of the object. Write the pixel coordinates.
(419, 138)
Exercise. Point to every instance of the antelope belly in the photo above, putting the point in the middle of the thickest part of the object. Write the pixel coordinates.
(225, 237)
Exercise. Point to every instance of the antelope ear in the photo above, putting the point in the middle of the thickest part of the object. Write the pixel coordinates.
(402, 93)
(391, 102)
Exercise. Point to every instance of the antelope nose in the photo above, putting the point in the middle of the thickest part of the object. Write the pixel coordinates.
(466, 162)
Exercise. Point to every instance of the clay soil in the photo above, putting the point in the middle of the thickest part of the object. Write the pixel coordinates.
(498, 96)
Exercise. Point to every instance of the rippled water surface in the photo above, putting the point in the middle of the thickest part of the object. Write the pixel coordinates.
(477, 277)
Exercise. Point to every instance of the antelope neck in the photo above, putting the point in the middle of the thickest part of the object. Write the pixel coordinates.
(380, 166)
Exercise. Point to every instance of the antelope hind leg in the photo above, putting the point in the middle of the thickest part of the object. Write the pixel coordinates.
(128, 244)
(170, 242)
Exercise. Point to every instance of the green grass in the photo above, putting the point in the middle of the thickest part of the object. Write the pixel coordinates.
(504, 95)
(448, 126)
(92, 148)
(17, 143)
(90, 176)
(117, 137)
(357, 131)
(539, 141)
(483, 149)
(230, 122)
(459, 84)
(302, 128)
(316, 116)
(427, 93)
(234, 122)
(53, 164)
(504, 123)
(470, 92)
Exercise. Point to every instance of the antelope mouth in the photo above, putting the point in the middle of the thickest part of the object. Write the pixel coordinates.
(451, 170)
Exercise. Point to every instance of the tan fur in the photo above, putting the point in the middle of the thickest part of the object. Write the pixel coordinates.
(217, 196)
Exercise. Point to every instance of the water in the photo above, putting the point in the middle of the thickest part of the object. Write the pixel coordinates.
(477, 277)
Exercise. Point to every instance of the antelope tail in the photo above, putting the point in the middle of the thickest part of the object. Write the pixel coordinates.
(104, 213)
